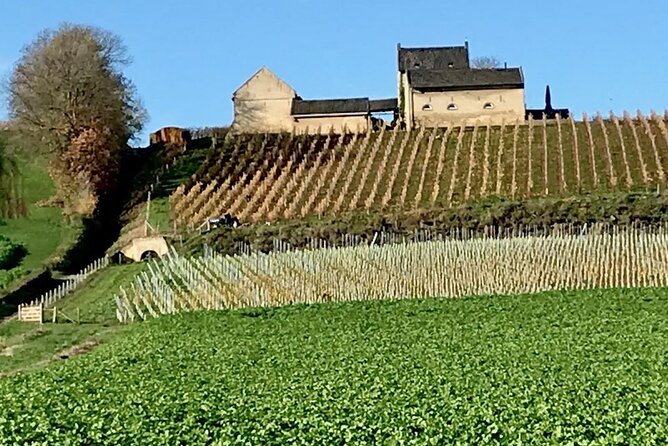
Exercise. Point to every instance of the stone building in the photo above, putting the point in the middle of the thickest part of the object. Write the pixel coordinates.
(437, 86)
(266, 103)
(263, 104)
(337, 115)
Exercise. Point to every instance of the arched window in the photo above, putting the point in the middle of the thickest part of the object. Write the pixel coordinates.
(416, 65)
(452, 107)
(488, 106)
(427, 107)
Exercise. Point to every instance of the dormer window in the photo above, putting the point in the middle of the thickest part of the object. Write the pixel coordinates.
(451, 65)
(452, 107)
(416, 65)
(488, 106)
(427, 107)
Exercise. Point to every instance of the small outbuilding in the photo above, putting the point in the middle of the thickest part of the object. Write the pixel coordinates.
(142, 248)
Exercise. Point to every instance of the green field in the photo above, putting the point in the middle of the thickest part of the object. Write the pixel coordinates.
(556, 368)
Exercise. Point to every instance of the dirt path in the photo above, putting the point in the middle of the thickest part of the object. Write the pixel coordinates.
(24, 341)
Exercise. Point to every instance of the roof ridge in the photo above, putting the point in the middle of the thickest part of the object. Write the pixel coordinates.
(432, 47)
(360, 98)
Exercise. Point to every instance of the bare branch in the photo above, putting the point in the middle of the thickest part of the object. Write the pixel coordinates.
(485, 62)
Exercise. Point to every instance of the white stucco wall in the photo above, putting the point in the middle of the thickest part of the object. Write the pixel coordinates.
(138, 246)
(404, 93)
(263, 104)
(337, 124)
(508, 106)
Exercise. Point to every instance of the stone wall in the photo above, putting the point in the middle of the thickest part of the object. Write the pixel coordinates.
(484, 106)
(325, 124)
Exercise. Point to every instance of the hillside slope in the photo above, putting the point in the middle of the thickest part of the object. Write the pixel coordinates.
(261, 178)
(43, 231)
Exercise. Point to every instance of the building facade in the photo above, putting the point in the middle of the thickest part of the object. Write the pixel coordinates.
(263, 104)
(266, 103)
(438, 87)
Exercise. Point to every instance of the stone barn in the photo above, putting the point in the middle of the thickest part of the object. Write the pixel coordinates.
(339, 115)
(266, 103)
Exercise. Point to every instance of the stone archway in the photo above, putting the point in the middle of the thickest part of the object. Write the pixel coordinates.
(138, 248)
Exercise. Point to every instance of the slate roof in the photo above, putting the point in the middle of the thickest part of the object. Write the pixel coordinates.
(467, 78)
(331, 106)
(381, 105)
(433, 58)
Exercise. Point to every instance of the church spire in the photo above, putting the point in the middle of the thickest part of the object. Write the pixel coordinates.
(548, 98)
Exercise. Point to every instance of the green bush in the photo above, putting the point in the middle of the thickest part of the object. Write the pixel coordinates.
(11, 253)
(10, 276)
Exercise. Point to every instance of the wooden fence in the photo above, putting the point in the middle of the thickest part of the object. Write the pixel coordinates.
(49, 298)
(31, 313)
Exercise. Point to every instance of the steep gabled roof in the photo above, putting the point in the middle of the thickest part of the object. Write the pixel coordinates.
(266, 73)
(464, 79)
(330, 106)
(433, 58)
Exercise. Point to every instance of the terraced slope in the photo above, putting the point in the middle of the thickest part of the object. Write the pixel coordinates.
(262, 178)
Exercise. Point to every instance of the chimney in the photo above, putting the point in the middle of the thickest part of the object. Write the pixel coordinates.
(466, 44)
(505, 65)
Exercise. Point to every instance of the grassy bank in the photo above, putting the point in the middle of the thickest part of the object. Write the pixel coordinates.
(43, 232)
(615, 208)
(24, 346)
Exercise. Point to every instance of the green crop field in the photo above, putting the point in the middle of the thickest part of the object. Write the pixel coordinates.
(555, 368)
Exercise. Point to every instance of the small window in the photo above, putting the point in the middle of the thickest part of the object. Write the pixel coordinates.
(416, 65)
(427, 107)
(452, 107)
(451, 65)
(488, 106)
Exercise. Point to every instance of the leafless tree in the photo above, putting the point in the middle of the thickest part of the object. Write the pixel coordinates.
(68, 96)
(485, 62)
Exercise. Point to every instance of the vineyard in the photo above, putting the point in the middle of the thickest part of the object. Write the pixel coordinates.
(260, 178)
(506, 264)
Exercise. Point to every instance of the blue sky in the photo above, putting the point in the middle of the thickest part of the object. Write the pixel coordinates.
(190, 56)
